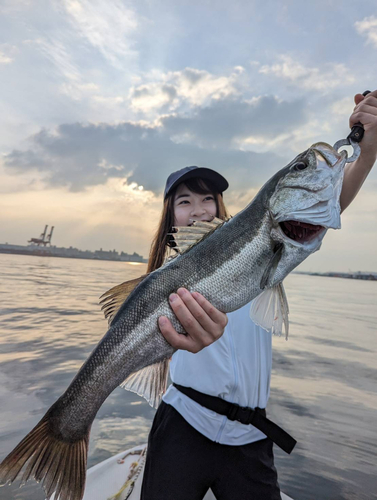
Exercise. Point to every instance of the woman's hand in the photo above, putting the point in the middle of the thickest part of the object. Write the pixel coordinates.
(203, 323)
(355, 173)
(365, 112)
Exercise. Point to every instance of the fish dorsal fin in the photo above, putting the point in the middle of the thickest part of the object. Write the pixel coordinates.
(270, 310)
(186, 237)
(150, 382)
(114, 298)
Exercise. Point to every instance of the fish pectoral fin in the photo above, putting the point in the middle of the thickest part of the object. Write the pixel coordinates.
(270, 310)
(150, 382)
(113, 299)
(186, 237)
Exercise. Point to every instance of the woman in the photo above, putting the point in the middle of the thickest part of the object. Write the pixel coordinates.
(236, 368)
(192, 448)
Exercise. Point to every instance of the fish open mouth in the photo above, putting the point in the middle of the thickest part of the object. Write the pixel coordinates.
(302, 232)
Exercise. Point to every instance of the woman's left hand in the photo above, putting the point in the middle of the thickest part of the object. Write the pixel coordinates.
(203, 323)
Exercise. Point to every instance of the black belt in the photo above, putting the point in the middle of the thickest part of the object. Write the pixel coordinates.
(256, 417)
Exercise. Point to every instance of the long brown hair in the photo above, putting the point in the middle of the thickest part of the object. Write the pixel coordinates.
(162, 240)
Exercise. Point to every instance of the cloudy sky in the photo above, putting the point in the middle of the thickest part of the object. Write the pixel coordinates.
(101, 100)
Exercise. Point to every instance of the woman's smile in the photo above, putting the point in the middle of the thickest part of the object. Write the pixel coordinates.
(189, 206)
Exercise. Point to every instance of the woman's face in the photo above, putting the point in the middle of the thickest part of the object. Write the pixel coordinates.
(189, 206)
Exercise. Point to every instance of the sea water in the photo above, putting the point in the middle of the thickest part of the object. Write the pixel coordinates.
(323, 387)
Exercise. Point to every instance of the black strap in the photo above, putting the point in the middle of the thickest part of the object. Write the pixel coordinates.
(256, 417)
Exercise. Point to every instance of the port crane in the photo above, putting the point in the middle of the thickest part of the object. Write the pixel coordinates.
(41, 240)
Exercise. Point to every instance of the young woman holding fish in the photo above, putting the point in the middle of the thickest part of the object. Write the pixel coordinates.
(192, 448)
(212, 451)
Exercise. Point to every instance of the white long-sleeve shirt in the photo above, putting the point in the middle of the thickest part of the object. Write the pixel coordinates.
(237, 368)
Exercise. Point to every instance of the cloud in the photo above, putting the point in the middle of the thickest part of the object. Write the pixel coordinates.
(153, 96)
(192, 86)
(82, 39)
(107, 26)
(57, 51)
(227, 122)
(4, 59)
(322, 79)
(78, 155)
(343, 107)
(15, 5)
(368, 28)
(7, 52)
(77, 90)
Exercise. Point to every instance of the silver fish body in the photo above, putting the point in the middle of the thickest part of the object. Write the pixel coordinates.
(251, 252)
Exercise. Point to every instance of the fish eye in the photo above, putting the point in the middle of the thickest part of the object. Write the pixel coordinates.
(300, 166)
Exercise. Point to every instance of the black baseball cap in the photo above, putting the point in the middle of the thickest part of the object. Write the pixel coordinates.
(190, 173)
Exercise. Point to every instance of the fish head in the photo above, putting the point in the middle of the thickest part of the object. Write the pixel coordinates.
(305, 202)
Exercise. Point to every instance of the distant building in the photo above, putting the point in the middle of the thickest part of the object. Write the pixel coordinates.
(70, 253)
(359, 275)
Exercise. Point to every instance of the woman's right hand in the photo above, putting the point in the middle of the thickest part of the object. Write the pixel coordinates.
(203, 323)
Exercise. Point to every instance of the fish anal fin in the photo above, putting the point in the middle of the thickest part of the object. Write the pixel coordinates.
(270, 310)
(113, 299)
(150, 382)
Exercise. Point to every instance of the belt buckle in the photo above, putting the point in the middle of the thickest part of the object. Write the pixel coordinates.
(245, 415)
(242, 414)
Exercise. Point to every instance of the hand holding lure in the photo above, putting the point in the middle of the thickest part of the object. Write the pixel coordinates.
(353, 139)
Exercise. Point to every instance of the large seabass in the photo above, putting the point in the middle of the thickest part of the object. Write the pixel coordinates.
(235, 262)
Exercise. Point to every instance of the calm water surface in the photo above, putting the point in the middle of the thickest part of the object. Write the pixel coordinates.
(324, 383)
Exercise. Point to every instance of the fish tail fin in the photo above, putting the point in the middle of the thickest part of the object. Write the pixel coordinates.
(60, 465)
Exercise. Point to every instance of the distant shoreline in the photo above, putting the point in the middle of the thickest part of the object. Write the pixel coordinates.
(113, 256)
(70, 253)
(359, 275)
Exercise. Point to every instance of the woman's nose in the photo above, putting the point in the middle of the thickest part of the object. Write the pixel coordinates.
(198, 210)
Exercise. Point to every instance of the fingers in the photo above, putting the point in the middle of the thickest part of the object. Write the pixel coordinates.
(213, 313)
(366, 118)
(192, 342)
(203, 323)
(365, 111)
(181, 303)
(368, 103)
(358, 98)
(205, 314)
(175, 339)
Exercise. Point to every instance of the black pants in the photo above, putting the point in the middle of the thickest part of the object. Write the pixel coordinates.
(182, 464)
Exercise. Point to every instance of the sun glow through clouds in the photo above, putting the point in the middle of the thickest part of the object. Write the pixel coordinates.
(103, 103)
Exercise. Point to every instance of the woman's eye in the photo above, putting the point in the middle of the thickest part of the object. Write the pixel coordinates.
(209, 198)
(183, 202)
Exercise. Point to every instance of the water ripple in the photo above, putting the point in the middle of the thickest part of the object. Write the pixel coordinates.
(323, 387)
